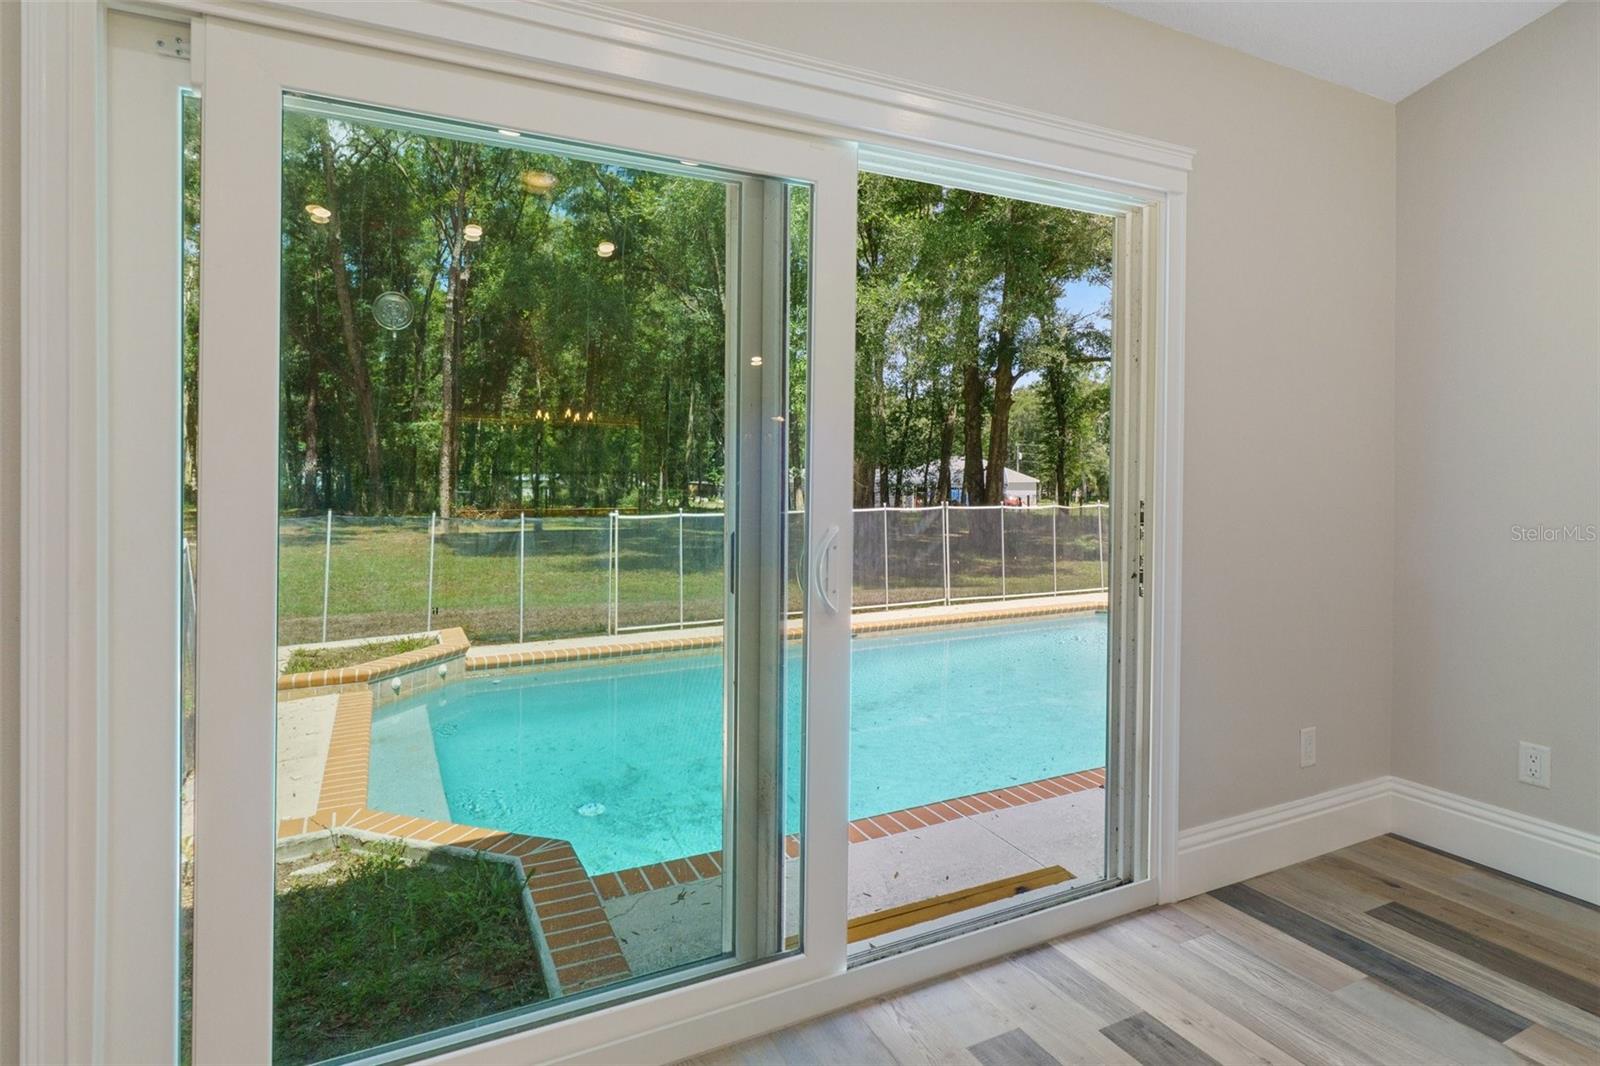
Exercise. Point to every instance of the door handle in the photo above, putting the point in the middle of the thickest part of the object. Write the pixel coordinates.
(825, 549)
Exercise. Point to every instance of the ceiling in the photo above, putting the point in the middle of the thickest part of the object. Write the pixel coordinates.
(1388, 50)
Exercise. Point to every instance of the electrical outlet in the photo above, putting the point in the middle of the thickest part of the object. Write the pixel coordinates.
(1308, 746)
(1533, 764)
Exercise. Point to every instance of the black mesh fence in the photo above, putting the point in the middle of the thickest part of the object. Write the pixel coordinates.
(359, 577)
(915, 556)
(566, 577)
(975, 553)
(867, 577)
(475, 577)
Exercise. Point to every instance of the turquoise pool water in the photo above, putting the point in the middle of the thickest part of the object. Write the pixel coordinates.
(934, 713)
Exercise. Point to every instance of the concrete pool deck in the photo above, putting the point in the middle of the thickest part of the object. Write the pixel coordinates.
(681, 922)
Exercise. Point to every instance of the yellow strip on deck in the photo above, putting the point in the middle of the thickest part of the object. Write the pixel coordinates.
(878, 923)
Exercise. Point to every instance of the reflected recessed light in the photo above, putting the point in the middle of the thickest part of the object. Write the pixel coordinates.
(472, 231)
(755, 360)
(688, 162)
(538, 180)
(508, 133)
(605, 249)
(319, 214)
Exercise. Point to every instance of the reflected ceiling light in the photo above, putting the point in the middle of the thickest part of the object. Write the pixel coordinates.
(605, 249)
(319, 214)
(688, 162)
(538, 180)
(472, 231)
(508, 133)
(755, 360)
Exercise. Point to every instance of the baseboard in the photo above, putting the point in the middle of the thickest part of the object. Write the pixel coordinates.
(1248, 845)
(1566, 860)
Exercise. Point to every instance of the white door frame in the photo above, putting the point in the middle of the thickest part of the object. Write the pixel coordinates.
(247, 71)
(66, 638)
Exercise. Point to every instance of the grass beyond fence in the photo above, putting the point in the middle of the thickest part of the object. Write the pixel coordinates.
(659, 570)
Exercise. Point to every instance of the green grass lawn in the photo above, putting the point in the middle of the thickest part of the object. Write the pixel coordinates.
(374, 947)
(304, 659)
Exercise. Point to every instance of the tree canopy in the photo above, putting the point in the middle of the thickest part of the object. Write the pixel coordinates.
(557, 341)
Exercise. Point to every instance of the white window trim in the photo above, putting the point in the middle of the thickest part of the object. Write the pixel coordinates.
(65, 647)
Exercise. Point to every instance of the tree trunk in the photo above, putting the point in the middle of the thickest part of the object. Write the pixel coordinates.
(947, 443)
(449, 353)
(1005, 377)
(864, 469)
(359, 377)
(310, 463)
(1056, 387)
(688, 452)
(972, 482)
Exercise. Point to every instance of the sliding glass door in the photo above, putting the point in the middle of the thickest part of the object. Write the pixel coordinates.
(503, 568)
(531, 489)
(986, 751)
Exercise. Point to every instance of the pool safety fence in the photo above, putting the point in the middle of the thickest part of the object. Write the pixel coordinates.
(344, 577)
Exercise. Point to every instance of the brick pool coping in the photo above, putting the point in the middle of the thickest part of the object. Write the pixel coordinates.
(639, 879)
(453, 643)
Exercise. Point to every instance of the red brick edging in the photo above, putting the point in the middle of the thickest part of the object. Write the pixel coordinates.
(452, 643)
(575, 938)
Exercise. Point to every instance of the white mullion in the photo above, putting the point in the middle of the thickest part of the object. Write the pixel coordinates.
(144, 317)
(830, 428)
(236, 708)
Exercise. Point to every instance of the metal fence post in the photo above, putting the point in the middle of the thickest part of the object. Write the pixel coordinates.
(522, 544)
(680, 568)
(615, 576)
(433, 522)
(1002, 551)
(327, 564)
(1100, 544)
(944, 539)
(1055, 573)
(885, 553)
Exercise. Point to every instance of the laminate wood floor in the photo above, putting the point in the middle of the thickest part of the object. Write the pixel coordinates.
(1386, 952)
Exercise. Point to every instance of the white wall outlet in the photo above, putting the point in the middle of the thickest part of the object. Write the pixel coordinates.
(1308, 746)
(1533, 764)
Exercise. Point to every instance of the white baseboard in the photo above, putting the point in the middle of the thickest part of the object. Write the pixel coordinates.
(1567, 860)
(1247, 845)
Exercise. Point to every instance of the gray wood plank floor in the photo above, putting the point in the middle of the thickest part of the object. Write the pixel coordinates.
(1386, 952)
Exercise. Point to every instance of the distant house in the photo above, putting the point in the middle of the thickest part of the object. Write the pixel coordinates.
(1019, 486)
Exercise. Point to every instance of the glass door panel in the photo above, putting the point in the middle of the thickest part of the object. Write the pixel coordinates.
(979, 715)
(540, 491)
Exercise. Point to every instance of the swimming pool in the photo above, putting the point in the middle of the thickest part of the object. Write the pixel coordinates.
(625, 758)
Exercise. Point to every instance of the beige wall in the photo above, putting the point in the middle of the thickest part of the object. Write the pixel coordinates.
(10, 492)
(1498, 389)
(1289, 458)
